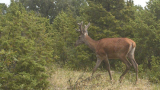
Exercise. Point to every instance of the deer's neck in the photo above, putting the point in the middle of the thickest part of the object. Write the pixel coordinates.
(90, 43)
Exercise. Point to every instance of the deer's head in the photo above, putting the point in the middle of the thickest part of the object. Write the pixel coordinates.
(83, 31)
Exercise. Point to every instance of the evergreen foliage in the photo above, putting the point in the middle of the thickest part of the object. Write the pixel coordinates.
(26, 48)
(35, 34)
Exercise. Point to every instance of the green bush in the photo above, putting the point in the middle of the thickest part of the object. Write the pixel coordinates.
(26, 48)
(154, 74)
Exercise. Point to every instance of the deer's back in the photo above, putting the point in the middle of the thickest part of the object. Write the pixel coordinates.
(113, 47)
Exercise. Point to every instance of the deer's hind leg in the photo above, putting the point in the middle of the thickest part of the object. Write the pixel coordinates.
(133, 61)
(128, 66)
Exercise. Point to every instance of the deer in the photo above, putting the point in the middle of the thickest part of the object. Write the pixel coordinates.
(109, 48)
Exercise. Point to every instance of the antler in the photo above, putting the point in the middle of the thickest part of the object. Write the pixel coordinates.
(80, 27)
(78, 30)
(86, 26)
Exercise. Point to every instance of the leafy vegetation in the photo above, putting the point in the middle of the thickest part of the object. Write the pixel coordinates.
(36, 34)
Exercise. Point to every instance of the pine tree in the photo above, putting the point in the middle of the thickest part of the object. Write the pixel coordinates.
(26, 48)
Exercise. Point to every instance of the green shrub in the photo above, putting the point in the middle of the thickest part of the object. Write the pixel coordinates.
(26, 48)
(154, 74)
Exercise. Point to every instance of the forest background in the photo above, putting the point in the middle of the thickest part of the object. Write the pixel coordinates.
(36, 34)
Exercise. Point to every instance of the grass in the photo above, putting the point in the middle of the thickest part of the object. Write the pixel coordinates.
(63, 79)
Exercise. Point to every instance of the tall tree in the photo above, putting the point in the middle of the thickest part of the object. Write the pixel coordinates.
(154, 7)
(3, 8)
(51, 8)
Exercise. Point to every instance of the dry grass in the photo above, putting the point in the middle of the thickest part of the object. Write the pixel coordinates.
(63, 79)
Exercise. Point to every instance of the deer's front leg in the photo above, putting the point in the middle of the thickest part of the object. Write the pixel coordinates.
(108, 67)
(97, 64)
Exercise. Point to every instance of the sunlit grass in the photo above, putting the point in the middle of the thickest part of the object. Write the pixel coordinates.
(63, 79)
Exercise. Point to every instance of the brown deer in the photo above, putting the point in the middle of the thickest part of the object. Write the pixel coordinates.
(109, 48)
